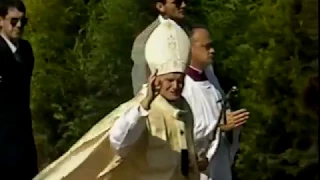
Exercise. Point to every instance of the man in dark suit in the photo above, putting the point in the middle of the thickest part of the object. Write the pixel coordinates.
(18, 156)
(167, 9)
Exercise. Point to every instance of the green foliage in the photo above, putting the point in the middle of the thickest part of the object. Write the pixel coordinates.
(52, 36)
(83, 65)
(260, 48)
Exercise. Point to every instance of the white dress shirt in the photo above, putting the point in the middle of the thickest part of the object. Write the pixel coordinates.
(10, 44)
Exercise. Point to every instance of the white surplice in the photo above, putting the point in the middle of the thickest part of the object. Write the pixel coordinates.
(202, 96)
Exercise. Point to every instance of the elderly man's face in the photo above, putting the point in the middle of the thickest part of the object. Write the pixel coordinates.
(171, 85)
(202, 47)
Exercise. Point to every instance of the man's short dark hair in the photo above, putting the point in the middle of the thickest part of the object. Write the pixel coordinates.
(193, 27)
(149, 6)
(5, 5)
(155, 10)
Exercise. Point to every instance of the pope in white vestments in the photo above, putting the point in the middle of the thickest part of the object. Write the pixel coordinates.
(147, 138)
(202, 91)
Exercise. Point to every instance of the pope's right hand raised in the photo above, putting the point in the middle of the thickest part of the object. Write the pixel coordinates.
(152, 92)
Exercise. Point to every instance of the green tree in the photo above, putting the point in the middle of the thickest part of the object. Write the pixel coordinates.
(52, 36)
(278, 142)
(83, 66)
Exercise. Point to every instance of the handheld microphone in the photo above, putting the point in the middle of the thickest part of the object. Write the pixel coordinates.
(231, 92)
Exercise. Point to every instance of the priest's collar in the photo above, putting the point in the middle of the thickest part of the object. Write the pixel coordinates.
(196, 69)
(196, 74)
(161, 18)
(169, 108)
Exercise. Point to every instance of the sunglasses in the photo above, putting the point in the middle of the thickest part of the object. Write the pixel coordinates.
(23, 21)
(178, 3)
(207, 46)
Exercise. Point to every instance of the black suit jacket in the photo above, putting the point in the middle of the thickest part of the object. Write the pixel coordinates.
(17, 147)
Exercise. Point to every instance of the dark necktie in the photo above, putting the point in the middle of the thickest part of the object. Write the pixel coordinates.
(17, 55)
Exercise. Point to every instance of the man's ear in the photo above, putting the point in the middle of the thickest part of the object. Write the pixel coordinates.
(160, 7)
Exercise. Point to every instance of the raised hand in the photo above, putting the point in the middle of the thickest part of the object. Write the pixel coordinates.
(235, 119)
(152, 92)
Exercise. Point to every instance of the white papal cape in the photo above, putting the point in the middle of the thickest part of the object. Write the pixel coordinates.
(202, 96)
(91, 158)
(88, 156)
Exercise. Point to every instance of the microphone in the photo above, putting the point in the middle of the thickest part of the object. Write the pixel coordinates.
(222, 116)
(231, 92)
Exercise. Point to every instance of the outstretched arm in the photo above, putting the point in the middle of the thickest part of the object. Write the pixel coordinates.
(128, 129)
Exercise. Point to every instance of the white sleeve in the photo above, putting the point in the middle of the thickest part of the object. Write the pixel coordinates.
(128, 129)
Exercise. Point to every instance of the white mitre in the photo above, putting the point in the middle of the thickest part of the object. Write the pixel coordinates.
(168, 49)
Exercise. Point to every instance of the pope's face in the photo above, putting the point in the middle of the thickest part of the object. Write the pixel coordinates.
(171, 85)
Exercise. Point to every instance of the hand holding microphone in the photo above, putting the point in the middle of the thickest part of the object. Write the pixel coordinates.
(236, 118)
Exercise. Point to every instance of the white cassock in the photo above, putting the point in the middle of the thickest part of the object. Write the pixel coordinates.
(202, 96)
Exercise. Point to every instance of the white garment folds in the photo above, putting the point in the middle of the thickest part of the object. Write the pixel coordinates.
(83, 160)
(202, 96)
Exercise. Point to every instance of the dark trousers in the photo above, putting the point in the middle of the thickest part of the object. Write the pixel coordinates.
(18, 155)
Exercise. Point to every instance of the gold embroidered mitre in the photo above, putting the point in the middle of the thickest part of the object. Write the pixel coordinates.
(168, 48)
